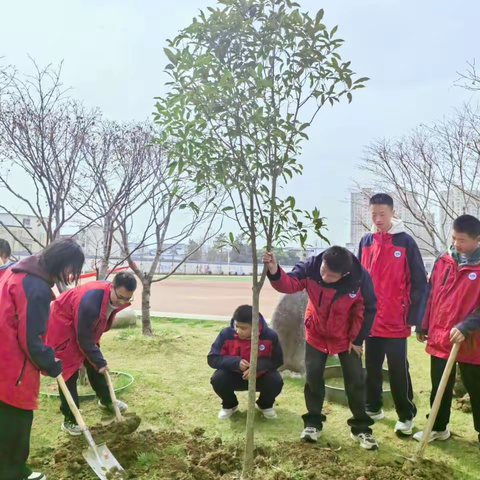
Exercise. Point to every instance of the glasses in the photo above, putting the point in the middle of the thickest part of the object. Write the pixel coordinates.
(121, 297)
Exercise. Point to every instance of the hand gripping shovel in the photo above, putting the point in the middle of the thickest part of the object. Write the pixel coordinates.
(103, 463)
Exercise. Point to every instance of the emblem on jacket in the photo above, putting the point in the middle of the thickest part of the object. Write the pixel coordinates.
(398, 254)
(472, 276)
(261, 348)
(352, 295)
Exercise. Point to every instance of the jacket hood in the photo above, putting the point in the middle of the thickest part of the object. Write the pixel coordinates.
(262, 323)
(32, 266)
(472, 259)
(348, 283)
(397, 227)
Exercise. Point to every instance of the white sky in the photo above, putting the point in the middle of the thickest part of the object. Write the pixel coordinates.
(113, 54)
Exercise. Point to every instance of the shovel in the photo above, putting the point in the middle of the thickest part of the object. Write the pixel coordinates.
(436, 405)
(118, 415)
(98, 457)
(438, 400)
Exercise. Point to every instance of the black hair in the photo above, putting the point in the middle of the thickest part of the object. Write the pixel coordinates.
(243, 314)
(467, 224)
(63, 260)
(5, 249)
(338, 260)
(126, 280)
(382, 199)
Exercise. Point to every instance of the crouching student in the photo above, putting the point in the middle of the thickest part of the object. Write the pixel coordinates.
(338, 319)
(453, 316)
(78, 319)
(230, 356)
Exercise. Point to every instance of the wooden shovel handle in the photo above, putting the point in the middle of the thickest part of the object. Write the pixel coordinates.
(71, 403)
(438, 400)
(118, 415)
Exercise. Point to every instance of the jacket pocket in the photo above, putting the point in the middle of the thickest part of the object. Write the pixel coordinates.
(62, 346)
(19, 380)
(446, 276)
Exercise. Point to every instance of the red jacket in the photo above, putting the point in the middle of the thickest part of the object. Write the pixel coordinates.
(337, 313)
(454, 301)
(229, 349)
(399, 278)
(77, 322)
(25, 296)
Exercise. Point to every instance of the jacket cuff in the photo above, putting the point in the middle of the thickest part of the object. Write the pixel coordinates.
(55, 370)
(275, 277)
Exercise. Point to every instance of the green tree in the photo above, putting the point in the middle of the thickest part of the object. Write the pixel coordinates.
(246, 83)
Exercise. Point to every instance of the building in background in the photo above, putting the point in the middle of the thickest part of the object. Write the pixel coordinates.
(24, 237)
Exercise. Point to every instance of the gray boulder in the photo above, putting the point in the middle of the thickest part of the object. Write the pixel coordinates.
(287, 321)
(125, 318)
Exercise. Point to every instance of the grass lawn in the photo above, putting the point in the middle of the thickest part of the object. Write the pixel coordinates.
(172, 395)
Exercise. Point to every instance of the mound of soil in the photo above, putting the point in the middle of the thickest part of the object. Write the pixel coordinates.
(180, 456)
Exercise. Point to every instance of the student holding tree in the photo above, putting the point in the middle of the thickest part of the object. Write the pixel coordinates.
(339, 315)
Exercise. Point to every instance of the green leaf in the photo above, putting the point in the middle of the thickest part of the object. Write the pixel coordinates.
(232, 238)
(227, 209)
(319, 16)
(350, 97)
(171, 56)
(361, 80)
(334, 31)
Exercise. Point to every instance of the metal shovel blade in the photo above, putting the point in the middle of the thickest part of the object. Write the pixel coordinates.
(103, 462)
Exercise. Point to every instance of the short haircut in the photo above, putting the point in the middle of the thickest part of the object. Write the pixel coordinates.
(243, 314)
(126, 280)
(63, 260)
(382, 199)
(338, 260)
(5, 249)
(467, 224)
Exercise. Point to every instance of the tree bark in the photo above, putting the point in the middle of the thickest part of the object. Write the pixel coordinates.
(252, 383)
(146, 322)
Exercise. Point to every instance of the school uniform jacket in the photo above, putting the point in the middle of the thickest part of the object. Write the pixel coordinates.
(229, 349)
(337, 313)
(77, 322)
(25, 296)
(453, 301)
(395, 264)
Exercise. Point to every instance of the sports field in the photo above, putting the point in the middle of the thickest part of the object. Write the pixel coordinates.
(206, 295)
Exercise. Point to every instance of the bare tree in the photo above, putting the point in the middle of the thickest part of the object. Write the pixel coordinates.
(435, 173)
(173, 195)
(42, 137)
(121, 163)
(470, 79)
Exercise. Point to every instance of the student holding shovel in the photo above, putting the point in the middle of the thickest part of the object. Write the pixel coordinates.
(25, 296)
(78, 320)
(453, 316)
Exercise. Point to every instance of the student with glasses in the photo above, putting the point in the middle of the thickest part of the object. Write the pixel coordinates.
(79, 318)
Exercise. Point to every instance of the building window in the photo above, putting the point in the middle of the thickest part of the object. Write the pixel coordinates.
(26, 222)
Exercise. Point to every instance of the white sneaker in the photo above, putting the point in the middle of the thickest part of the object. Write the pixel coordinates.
(405, 428)
(310, 434)
(37, 476)
(72, 429)
(227, 412)
(366, 440)
(380, 415)
(445, 435)
(268, 413)
(123, 407)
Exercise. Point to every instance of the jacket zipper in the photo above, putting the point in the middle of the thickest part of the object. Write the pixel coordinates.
(320, 298)
(62, 345)
(371, 261)
(446, 276)
(19, 381)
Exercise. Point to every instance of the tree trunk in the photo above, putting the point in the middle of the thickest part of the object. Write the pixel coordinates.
(146, 323)
(252, 383)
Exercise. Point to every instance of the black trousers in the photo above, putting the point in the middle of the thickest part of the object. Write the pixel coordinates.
(471, 379)
(15, 429)
(98, 383)
(226, 383)
(315, 362)
(395, 349)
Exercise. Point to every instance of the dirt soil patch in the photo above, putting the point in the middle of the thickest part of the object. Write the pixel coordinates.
(180, 456)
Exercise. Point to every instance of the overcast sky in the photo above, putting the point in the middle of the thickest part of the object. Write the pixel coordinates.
(113, 58)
